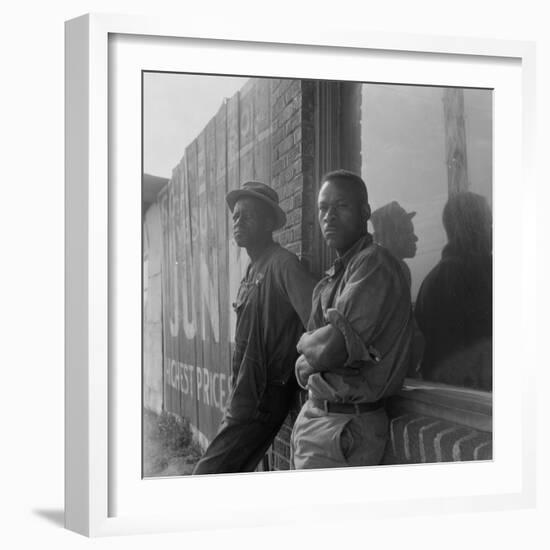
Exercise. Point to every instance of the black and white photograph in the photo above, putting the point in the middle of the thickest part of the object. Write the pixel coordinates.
(317, 274)
(275, 275)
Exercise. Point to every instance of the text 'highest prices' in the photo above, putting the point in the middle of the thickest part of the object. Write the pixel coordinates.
(211, 389)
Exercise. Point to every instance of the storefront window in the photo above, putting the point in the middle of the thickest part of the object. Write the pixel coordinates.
(427, 161)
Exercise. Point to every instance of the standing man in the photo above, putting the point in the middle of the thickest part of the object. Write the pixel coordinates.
(356, 351)
(272, 306)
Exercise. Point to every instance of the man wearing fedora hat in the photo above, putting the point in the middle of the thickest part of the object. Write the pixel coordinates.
(272, 306)
(357, 348)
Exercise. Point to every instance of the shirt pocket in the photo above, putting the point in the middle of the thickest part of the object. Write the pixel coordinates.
(247, 291)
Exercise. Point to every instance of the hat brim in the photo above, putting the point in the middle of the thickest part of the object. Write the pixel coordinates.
(233, 196)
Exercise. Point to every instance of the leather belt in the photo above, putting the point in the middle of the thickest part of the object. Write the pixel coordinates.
(346, 408)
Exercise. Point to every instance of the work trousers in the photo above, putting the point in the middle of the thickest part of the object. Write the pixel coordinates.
(240, 444)
(336, 440)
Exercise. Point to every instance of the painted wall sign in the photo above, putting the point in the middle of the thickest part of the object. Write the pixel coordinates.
(202, 266)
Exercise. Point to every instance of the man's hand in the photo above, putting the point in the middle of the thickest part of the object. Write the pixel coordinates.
(324, 349)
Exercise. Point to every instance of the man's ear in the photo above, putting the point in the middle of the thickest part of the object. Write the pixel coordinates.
(366, 212)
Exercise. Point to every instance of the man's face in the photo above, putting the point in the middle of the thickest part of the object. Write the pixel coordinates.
(404, 245)
(250, 222)
(341, 217)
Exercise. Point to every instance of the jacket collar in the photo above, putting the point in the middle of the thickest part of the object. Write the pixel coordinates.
(342, 261)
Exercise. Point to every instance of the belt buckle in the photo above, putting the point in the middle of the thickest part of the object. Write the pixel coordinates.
(357, 409)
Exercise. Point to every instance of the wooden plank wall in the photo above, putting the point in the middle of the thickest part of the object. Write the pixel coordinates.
(152, 310)
(202, 267)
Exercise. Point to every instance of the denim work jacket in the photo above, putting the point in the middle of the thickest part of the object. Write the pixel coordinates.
(273, 305)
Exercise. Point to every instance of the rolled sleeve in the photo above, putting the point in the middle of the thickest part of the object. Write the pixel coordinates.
(300, 378)
(370, 295)
(356, 349)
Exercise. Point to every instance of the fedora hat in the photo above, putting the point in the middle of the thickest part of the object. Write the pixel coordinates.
(389, 213)
(262, 192)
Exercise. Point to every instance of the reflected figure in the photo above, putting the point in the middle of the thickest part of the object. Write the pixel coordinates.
(454, 304)
(394, 230)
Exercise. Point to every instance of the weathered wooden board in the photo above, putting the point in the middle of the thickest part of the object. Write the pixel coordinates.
(201, 265)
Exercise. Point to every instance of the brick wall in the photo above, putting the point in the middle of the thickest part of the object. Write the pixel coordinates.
(292, 161)
(440, 424)
(418, 439)
(293, 149)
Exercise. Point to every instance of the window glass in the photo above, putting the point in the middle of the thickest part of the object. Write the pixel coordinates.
(427, 161)
(478, 116)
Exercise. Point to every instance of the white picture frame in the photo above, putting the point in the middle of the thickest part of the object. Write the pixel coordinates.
(98, 499)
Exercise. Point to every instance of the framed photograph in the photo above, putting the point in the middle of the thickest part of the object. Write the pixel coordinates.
(171, 136)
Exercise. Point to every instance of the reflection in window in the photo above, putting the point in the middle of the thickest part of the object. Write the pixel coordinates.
(426, 151)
